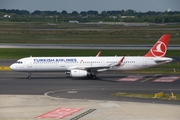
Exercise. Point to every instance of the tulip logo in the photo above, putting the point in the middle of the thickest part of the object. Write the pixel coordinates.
(159, 49)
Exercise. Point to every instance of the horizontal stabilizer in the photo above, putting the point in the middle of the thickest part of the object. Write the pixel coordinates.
(163, 59)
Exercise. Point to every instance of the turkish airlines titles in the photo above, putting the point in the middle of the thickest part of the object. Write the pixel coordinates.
(56, 60)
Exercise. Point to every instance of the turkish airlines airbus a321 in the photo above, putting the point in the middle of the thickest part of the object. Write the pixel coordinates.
(90, 66)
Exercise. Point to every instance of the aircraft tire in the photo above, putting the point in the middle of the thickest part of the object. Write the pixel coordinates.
(29, 77)
(94, 77)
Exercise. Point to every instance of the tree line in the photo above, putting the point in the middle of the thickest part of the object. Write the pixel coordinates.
(92, 16)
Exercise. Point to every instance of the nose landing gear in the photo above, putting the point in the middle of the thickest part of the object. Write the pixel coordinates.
(29, 77)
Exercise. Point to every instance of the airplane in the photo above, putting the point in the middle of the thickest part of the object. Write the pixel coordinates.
(91, 66)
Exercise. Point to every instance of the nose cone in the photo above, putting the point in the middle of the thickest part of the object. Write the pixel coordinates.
(12, 67)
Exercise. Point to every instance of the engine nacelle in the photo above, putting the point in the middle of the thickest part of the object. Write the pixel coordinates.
(78, 73)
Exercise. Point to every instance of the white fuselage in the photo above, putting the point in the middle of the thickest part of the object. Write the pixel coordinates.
(52, 64)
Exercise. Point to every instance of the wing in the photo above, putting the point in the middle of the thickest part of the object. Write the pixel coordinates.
(99, 68)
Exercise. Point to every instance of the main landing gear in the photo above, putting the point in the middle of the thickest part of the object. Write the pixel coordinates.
(92, 76)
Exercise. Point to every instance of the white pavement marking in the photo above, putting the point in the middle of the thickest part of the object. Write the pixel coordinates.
(130, 78)
(166, 79)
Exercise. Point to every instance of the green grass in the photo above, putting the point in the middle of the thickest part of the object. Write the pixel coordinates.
(139, 95)
(56, 37)
(42, 33)
(18, 53)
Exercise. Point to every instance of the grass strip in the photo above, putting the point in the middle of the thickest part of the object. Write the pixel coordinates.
(6, 53)
(140, 95)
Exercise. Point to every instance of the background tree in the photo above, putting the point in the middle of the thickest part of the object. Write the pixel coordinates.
(64, 12)
(83, 13)
(75, 13)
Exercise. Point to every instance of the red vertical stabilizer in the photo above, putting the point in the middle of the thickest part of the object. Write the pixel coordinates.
(160, 48)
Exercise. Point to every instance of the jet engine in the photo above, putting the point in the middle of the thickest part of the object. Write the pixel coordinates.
(78, 73)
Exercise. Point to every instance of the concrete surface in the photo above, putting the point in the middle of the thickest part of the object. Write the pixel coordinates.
(28, 107)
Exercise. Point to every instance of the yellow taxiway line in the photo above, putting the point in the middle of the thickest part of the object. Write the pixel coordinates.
(5, 68)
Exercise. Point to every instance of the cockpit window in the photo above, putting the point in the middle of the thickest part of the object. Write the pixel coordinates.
(19, 62)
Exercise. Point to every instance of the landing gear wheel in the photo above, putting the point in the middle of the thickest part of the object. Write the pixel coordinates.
(94, 77)
(29, 77)
(91, 76)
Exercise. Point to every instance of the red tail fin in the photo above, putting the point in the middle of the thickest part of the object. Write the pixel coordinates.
(160, 48)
